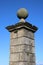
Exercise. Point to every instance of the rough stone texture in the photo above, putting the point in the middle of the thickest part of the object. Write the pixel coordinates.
(22, 40)
(23, 56)
(19, 48)
(14, 57)
(22, 32)
(22, 48)
(22, 63)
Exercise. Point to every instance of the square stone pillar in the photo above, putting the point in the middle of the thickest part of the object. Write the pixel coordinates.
(22, 46)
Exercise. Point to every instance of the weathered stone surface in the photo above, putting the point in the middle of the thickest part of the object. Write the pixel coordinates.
(22, 40)
(23, 63)
(28, 34)
(14, 49)
(14, 57)
(23, 56)
(33, 49)
(20, 63)
(32, 57)
(14, 63)
(18, 48)
(18, 34)
(22, 48)
(32, 63)
(22, 32)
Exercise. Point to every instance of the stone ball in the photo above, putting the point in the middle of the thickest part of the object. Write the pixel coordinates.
(22, 13)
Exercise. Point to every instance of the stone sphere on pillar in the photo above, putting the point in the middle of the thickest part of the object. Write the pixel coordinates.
(22, 13)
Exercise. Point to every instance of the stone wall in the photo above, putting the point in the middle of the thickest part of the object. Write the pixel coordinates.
(22, 48)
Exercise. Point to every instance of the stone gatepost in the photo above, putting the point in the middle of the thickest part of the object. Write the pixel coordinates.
(22, 46)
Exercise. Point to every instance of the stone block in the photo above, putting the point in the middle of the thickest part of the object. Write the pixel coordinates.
(22, 40)
(18, 48)
(26, 49)
(31, 63)
(23, 56)
(13, 35)
(14, 63)
(23, 63)
(17, 41)
(21, 48)
(21, 33)
(14, 42)
(28, 34)
(33, 49)
(14, 57)
(32, 57)
(14, 49)
(26, 40)
(31, 42)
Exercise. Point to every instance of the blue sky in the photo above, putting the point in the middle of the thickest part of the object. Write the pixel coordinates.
(8, 10)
